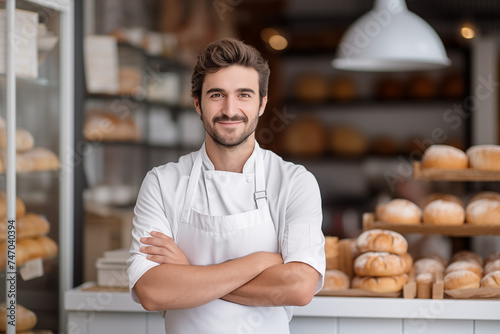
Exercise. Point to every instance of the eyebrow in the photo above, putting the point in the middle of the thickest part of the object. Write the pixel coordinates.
(221, 90)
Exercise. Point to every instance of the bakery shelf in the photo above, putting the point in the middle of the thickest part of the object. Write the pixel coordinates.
(435, 174)
(464, 230)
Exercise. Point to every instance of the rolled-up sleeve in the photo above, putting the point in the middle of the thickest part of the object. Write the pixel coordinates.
(149, 215)
(303, 239)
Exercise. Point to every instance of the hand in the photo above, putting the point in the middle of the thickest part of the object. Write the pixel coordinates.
(163, 249)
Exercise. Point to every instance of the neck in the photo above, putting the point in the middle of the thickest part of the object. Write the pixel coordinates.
(229, 159)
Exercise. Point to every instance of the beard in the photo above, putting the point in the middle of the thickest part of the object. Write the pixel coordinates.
(230, 139)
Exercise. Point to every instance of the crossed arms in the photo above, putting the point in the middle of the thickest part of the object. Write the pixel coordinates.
(258, 279)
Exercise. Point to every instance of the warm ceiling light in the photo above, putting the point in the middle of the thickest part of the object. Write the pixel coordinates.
(467, 31)
(267, 33)
(278, 42)
(390, 38)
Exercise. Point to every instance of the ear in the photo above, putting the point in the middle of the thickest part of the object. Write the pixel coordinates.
(197, 105)
(263, 106)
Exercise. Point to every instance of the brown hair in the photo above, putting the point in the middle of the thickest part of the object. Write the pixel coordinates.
(224, 53)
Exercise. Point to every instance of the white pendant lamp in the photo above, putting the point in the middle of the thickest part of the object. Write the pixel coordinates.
(390, 38)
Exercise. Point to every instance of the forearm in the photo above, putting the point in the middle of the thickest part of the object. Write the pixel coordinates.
(172, 286)
(281, 285)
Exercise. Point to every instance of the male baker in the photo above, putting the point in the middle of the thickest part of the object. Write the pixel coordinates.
(227, 239)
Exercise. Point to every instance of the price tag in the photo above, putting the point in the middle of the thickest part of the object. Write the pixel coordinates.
(32, 269)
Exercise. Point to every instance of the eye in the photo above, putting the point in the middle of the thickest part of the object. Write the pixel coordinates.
(216, 95)
(245, 95)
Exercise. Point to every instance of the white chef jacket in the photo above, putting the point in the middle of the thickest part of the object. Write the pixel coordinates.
(292, 192)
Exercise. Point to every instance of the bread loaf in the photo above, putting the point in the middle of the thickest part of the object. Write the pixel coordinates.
(484, 157)
(310, 87)
(382, 241)
(491, 195)
(467, 255)
(347, 141)
(336, 280)
(24, 139)
(399, 211)
(381, 264)
(25, 319)
(30, 249)
(49, 246)
(305, 136)
(464, 265)
(428, 265)
(483, 212)
(491, 266)
(380, 284)
(37, 159)
(442, 212)
(20, 207)
(444, 157)
(492, 257)
(461, 279)
(28, 226)
(445, 197)
(106, 126)
(491, 280)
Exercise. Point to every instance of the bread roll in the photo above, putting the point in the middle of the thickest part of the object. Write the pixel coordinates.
(491, 280)
(464, 265)
(33, 248)
(20, 207)
(311, 88)
(348, 141)
(428, 265)
(442, 212)
(37, 159)
(343, 89)
(382, 241)
(380, 264)
(399, 211)
(483, 212)
(491, 195)
(444, 157)
(49, 246)
(492, 257)
(441, 196)
(491, 266)
(461, 279)
(106, 126)
(24, 139)
(484, 157)
(305, 136)
(380, 284)
(25, 319)
(28, 226)
(467, 255)
(336, 280)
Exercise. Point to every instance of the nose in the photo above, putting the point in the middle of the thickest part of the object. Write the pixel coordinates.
(230, 107)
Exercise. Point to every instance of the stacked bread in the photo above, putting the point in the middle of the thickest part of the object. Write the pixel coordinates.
(28, 157)
(383, 263)
(464, 271)
(426, 270)
(479, 157)
(25, 319)
(31, 231)
(491, 271)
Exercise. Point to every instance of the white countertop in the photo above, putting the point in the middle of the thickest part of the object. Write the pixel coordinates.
(103, 301)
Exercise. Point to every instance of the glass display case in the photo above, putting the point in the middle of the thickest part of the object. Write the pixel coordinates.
(37, 161)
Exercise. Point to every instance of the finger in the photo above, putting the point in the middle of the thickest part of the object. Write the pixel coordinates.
(157, 241)
(157, 259)
(158, 234)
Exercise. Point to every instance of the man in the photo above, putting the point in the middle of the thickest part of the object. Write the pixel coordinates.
(228, 238)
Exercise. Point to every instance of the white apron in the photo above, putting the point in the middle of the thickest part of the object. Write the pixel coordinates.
(208, 240)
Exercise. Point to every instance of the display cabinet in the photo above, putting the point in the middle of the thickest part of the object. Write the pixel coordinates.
(37, 151)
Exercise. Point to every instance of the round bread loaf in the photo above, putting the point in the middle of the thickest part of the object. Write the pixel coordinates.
(428, 265)
(336, 280)
(467, 255)
(305, 136)
(491, 266)
(343, 89)
(381, 241)
(348, 141)
(399, 211)
(25, 319)
(491, 195)
(380, 284)
(492, 257)
(380, 264)
(441, 196)
(484, 157)
(461, 279)
(464, 265)
(483, 212)
(491, 280)
(310, 87)
(444, 157)
(24, 139)
(442, 212)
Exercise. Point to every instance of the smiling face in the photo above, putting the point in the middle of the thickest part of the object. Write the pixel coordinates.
(229, 105)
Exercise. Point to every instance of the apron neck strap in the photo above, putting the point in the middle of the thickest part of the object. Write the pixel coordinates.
(260, 194)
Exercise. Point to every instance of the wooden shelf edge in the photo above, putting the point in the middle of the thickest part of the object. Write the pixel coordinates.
(436, 174)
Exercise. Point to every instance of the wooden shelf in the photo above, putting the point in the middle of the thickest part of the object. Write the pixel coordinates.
(436, 174)
(465, 230)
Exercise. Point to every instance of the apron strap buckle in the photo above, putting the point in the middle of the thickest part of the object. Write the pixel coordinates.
(262, 194)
